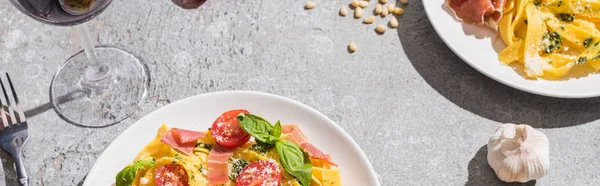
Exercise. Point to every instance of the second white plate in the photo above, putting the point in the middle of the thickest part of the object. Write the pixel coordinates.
(474, 45)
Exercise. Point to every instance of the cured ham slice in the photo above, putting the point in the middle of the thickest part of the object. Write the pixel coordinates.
(293, 134)
(218, 169)
(477, 11)
(187, 136)
(175, 137)
(285, 129)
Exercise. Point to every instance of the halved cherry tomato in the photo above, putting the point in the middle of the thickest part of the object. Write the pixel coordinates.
(259, 173)
(227, 131)
(171, 175)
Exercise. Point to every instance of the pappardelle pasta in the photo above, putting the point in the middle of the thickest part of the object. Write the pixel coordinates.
(239, 149)
(551, 38)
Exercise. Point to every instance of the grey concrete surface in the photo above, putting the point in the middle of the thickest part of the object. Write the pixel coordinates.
(421, 115)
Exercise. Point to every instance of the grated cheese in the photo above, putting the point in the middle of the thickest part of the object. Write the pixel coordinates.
(546, 42)
(535, 65)
(144, 181)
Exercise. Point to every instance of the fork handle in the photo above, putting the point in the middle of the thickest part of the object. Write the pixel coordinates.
(21, 172)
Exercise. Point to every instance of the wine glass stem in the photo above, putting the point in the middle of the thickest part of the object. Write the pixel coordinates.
(95, 71)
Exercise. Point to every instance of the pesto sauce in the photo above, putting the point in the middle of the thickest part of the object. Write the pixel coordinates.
(581, 60)
(588, 41)
(566, 17)
(261, 147)
(555, 42)
(238, 165)
(597, 56)
(203, 145)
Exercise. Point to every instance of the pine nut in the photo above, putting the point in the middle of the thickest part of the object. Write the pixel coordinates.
(383, 1)
(393, 22)
(380, 29)
(390, 7)
(364, 4)
(404, 2)
(398, 11)
(310, 5)
(358, 13)
(384, 12)
(369, 20)
(355, 3)
(352, 47)
(343, 11)
(377, 9)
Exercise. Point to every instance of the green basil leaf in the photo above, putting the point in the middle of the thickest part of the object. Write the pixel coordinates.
(294, 161)
(257, 127)
(142, 164)
(276, 132)
(126, 176)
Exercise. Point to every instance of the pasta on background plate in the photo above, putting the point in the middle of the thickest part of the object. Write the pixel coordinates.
(551, 38)
(226, 155)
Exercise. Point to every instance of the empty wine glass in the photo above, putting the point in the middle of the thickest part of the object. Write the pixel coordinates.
(100, 85)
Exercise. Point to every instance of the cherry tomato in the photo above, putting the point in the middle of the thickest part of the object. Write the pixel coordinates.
(171, 175)
(227, 131)
(259, 173)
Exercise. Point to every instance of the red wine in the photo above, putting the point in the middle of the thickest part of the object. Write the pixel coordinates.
(76, 7)
(189, 4)
(61, 12)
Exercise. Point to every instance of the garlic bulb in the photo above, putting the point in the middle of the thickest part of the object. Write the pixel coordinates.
(518, 153)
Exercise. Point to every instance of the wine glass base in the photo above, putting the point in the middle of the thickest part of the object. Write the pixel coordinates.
(104, 103)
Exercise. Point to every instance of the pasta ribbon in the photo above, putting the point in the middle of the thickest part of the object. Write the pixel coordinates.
(512, 53)
(534, 64)
(550, 37)
(584, 9)
(506, 29)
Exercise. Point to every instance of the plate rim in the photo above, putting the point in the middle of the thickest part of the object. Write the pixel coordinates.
(494, 77)
(353, 145)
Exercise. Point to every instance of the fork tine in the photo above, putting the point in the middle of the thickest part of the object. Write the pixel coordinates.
(13, 120)
(2, 112)
(17, 104)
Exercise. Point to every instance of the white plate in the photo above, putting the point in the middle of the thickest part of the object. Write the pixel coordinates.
(474, 45)
(200, 111)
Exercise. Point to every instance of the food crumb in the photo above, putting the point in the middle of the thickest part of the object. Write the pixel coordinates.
(310, 5)
(352, 47)
(343, 11)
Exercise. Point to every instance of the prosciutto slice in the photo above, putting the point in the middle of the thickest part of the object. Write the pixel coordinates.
(477, 11)
(187, 136)
(293, 134)
(218, 169)
(179, 147)
(181, 140)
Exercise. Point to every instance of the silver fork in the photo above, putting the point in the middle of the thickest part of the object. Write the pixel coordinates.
(13, 129)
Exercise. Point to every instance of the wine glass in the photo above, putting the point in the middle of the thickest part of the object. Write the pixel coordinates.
(96, 87)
